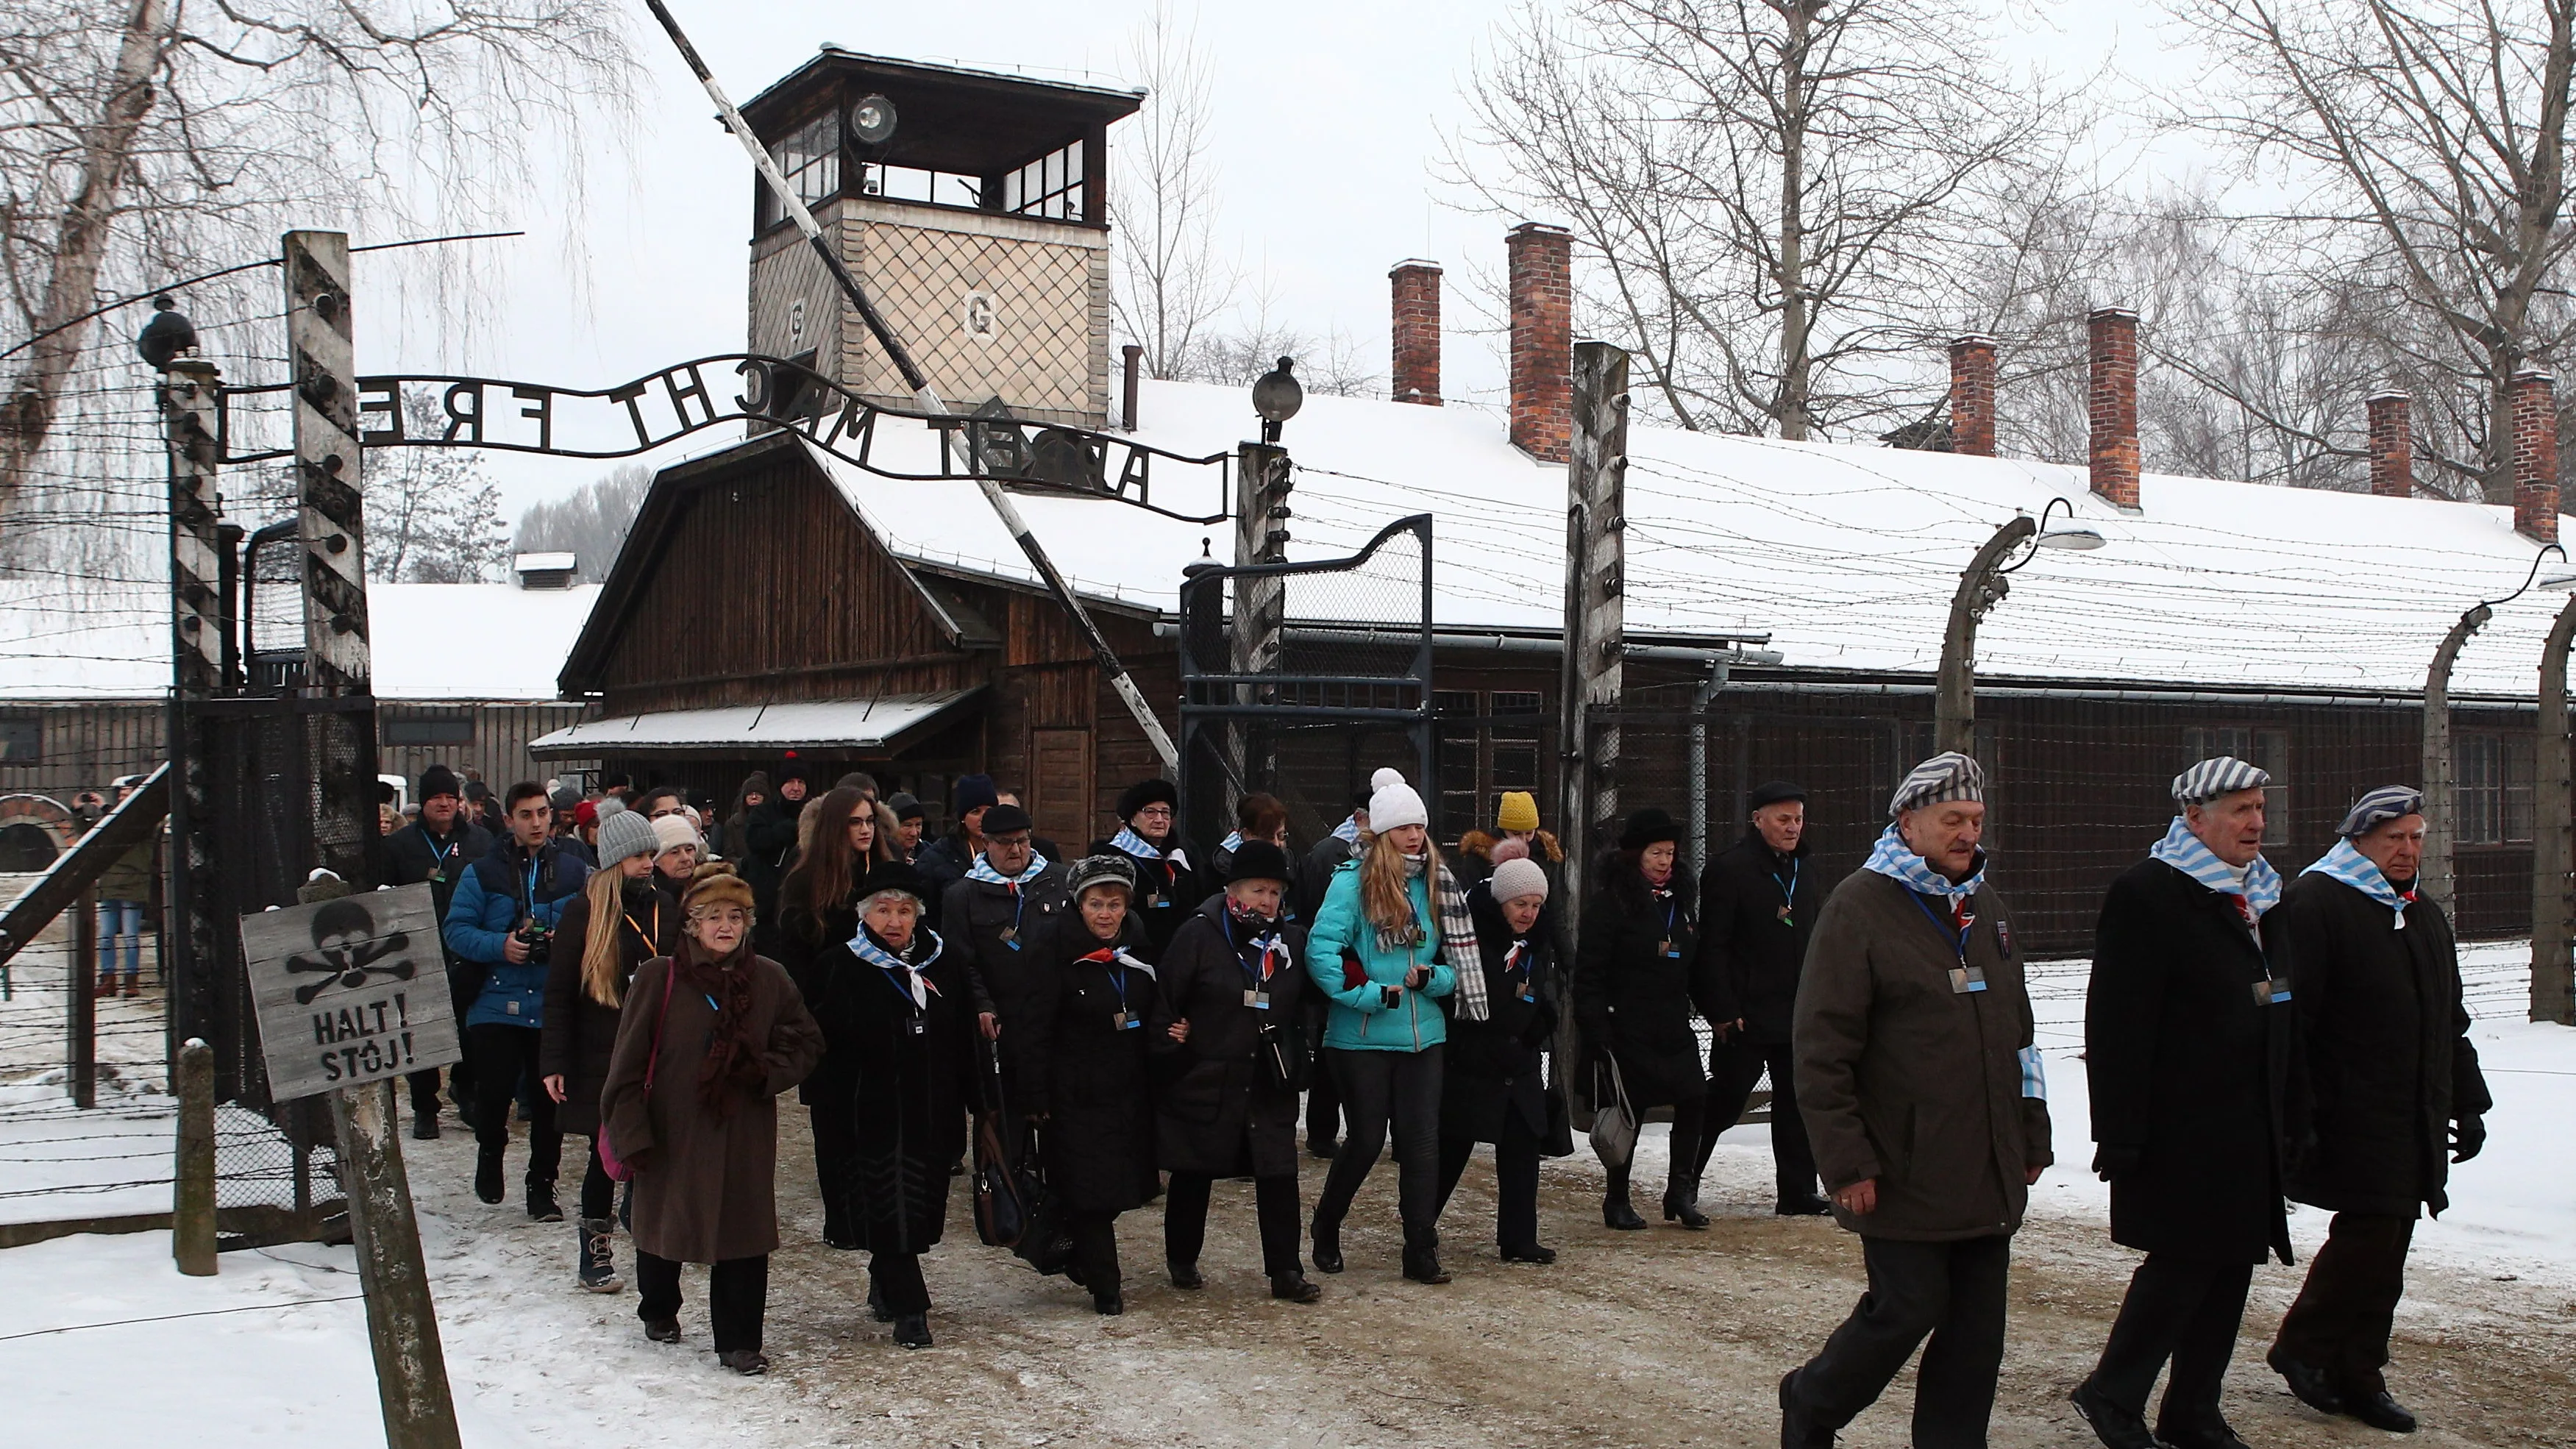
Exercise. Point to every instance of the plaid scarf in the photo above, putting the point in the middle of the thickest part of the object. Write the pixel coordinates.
(2357, 870)
(983, 870)
(2259, 888)
(1896, 860)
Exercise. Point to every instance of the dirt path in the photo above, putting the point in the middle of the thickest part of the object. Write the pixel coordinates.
(1661, 1337)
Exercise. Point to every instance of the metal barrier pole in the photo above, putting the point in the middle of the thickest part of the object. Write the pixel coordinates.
(82, 1007)
(192, 1183)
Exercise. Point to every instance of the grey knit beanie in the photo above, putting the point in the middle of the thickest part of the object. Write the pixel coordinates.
(625, 834)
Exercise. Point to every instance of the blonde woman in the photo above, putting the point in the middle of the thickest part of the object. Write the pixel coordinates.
(1387, 942)
(627, 914)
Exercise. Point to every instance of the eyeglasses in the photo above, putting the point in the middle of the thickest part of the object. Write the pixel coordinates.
(1155, 812)
(1007, 842)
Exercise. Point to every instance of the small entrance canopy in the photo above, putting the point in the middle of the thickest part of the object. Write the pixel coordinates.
(867, 726)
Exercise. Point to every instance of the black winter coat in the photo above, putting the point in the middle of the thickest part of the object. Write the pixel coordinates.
(1215, 1111)
(1315, 876)
(1087, 1075)
(912, 1075)
(413, 855)
(1756, 912)
(1632, 994)
(580, 1034)
(1167, 891)
(768, 849)
(2384, 1042)
(1494, 1068)
(803, 944)
(993, 927)
(2189, 1065)
(943, 862)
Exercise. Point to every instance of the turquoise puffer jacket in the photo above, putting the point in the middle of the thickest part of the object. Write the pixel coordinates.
(1360, 1019)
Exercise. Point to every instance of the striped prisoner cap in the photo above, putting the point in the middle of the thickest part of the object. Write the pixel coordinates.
(1938, 780)
(2388, 802)
(2210, 779)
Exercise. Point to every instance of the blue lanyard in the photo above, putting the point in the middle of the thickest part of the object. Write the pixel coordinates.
(438, 857)
(1261, 975)
(1789, 887)
(1960, 944)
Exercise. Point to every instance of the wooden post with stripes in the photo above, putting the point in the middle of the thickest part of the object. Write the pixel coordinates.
(191, 398)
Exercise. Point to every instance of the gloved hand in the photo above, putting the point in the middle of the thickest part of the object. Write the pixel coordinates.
(2468, 1138)
(2111, 1162)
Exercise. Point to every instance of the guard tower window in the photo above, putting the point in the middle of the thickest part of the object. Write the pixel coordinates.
(915, 183)
(1050, 186)
(811, 157)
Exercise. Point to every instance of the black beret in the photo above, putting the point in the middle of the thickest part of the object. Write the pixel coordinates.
(1259, 860)
(1003, 819)
(893, 875)
(1775, 792)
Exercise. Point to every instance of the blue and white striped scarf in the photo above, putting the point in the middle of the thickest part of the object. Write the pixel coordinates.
(2188, 853)
(904, 974)
(1133, 844)
(1348, 832)
(1893, 858)
(2358, 871)
(1233, 842)
(983, 870)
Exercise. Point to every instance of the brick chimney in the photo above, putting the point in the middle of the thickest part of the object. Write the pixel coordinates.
(1417, 332)
(2392, 445)
(2535, 455)
(1542, 295)
(1972, 395)
(2113, 349)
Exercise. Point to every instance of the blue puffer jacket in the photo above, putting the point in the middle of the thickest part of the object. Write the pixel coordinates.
(1360, 1019)
(495, 894)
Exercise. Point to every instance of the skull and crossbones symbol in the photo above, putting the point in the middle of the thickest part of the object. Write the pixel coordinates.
(341, 937)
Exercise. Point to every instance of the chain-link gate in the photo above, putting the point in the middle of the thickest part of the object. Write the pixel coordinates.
(1320, 676)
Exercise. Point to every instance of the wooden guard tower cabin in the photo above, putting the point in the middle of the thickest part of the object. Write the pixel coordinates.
(754, 610)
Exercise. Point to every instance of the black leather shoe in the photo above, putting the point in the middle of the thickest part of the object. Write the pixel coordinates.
(1328, 1250)
(1616, 1212)
(1294, 1288)
(1684, 1211)
(487, 1175)
(2220, 1437)
(1316, 1147)
(1797, 1431)
(2310, 1383)
(1109, 1307)
(2380, 1411)
(1804, 1205)
(1531, 1254)
(424, 1126)
(1422, 1265)
(744, 1361)
(662, 1330)
(1186, 1275)
(912, 1330)
(2115, 1426)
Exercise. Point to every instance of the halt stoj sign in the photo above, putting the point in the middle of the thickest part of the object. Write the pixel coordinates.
(349, 991)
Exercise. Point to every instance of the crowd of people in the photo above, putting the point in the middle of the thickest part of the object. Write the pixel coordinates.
(1141, 1020)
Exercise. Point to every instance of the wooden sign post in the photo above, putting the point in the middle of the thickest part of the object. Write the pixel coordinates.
(352, 993)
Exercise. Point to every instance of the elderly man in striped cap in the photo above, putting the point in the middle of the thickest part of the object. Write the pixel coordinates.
(1923, 1096)
(2384, 1041)
(2187, 1047)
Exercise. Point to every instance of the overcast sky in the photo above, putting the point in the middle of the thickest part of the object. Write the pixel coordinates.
(1327, 134)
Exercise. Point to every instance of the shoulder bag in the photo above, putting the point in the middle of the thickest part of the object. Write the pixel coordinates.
(617, 1168)
(1614, 1126)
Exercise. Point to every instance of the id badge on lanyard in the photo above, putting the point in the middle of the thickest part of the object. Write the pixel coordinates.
(1964, 978)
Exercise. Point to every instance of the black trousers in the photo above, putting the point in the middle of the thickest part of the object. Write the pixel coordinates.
(2348, 1306)
(1735, 1068)
(737, 1297)
(500, 1054)
(1095, 1251)
(2181, 1309)
(1681, 1169)
(897, 1278)
(1274, 1205)
(1379, 1090)
(424, 1092)
(1953, 1292)
(831, 1121)
(1515, 1181)
(598, 1189)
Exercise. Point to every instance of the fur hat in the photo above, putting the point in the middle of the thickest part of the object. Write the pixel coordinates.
(1094, 870)
(714, 884)
(1518, 810)
(1393, 802)
(1649, 826)
(1143, 793)
(1517, 877)
(439, 780)
(626, 834)
(669, 833)
(1259, 860)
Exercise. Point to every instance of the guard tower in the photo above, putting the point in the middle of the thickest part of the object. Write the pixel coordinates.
(979, 224)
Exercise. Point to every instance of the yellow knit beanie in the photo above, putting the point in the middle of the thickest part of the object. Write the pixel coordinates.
(1518, 811)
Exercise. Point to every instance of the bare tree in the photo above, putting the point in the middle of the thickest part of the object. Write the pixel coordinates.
(433, 516)
(590, 523)
(145, 139)
(1762, 192)
(2425, 143)
(1171, 287)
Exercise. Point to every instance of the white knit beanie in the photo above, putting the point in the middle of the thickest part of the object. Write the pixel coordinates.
(1393, 802)
(1516, 878)
(673, 831)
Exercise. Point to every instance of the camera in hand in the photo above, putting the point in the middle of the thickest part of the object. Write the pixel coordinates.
(538, 939)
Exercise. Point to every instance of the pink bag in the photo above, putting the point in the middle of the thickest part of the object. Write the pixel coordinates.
(617, 1168)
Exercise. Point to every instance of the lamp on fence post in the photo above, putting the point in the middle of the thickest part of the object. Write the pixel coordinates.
(2441, 783)
(1981, 586)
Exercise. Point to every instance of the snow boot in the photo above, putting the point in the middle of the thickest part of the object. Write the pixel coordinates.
(598, 1264)
(487, 1173)
(1616, 1210)
(542, 1206)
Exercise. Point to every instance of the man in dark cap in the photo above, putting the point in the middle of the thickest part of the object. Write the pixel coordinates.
(2384, 1041)
(1167, 885)
(1757, 908)
(436, 848)
(994, 913)
(909, 817)
(944, 862)
(2187, 1047)
(1911, 1010)
(769, 838)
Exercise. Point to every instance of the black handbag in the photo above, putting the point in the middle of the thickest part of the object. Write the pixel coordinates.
(1002, 1194)
(1046, 1241)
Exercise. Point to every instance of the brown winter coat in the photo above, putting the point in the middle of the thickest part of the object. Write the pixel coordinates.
(1904, 1080)
(704, 1192)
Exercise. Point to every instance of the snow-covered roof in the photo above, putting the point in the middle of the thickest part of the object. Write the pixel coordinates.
(539, 562)
(1846, 556)
(432, 641)
(856, 724)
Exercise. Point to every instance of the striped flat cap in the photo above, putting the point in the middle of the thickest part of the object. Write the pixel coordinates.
(1937, 781)
(2388, 802)
(2210, 779)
